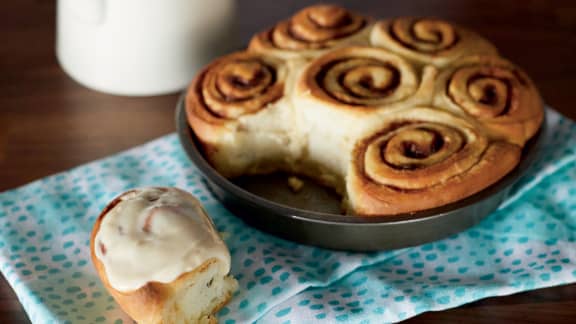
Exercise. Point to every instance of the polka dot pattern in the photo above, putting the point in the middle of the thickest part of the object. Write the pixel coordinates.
(526, 244)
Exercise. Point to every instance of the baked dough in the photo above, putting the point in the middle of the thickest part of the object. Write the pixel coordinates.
(423, 157)
(398, 116)
(428, 40)
(495, 92)
(242, 101)
(160, 257)
(313, 31)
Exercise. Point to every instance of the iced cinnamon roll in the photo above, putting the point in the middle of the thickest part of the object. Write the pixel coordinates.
(495, 92)
(312, 31)
(159, 255)
(428, 40)
(242, 100)
(424, 158)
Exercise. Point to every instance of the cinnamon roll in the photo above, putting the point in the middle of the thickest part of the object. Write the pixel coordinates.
(240, 101)
(399, 115)
(495, 92)
(359, 79)
(428, 40)
(424, 158)
(312, 31)
(343, 92)
(161, 258)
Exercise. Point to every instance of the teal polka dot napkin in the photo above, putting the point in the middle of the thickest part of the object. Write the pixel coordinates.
(528, 243)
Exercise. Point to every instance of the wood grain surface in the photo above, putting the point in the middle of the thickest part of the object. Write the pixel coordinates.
(49, 123)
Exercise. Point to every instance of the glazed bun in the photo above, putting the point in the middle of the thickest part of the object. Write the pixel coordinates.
(158, 254)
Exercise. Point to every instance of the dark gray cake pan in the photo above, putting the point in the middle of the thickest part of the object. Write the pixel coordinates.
(312, 216)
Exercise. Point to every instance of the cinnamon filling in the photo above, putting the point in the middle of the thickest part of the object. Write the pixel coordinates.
(315, 27)
(489, 95)
(244, 83)
(358, 79)
(238, 87)
(148, 223)
(428, 151)
(491, 91)
(373, 84)
(423, 35)
(419, 144)
(417, 150)
(102, 248)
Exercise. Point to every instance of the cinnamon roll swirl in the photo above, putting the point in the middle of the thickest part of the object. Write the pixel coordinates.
(233, 86)
(359, 79)
(428, 41)
(343, 92)
(495, 92)
(423, 159)
(311, 31)
(239, 101)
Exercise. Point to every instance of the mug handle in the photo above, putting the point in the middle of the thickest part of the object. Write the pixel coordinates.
(88, 11)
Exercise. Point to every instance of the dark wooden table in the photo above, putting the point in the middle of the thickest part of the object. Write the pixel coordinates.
(48, 123)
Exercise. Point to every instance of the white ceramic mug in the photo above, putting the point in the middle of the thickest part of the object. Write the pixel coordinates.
(140, 47)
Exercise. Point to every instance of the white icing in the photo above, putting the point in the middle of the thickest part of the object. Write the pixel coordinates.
(156, 234)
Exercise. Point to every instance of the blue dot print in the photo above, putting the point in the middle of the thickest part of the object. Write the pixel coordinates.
(525, 244)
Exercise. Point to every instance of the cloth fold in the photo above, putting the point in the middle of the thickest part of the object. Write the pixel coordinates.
(528, 243)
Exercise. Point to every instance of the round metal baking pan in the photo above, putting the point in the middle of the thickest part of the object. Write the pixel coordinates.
(312, 216)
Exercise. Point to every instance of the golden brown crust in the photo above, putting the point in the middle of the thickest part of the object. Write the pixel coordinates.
(359, 79)
(144, 305)
(233, 86)
(311, 31)
(244, 100)
(495, 92)
(428, 40)
(423, 162)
